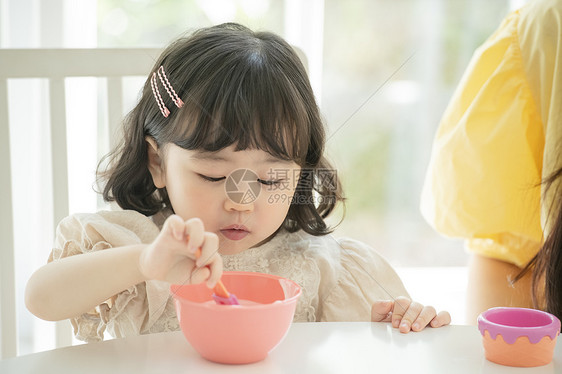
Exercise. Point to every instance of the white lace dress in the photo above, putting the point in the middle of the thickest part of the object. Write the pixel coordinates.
(340, 278)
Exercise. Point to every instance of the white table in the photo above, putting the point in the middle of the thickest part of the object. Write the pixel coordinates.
(356, 347)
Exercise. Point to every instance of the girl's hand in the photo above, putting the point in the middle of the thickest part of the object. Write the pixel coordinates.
(408, 315)
(171, 257)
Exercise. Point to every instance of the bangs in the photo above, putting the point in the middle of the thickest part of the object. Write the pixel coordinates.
(246, 100)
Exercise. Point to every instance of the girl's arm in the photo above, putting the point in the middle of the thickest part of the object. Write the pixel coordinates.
(75, 285)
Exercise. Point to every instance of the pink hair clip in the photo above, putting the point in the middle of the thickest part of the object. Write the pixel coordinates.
(169, 89)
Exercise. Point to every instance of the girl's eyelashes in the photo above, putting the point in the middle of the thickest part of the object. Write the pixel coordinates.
(211, 179)
(270, 182)
(262, 181)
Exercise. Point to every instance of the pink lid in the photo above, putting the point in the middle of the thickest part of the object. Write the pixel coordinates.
(512, 323)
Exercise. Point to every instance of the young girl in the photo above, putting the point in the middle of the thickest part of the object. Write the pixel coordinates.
(224, 152)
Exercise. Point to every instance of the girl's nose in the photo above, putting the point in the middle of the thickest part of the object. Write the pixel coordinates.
(231, 205)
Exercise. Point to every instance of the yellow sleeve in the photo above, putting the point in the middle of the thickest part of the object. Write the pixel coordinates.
(486, 164)
(540, 39)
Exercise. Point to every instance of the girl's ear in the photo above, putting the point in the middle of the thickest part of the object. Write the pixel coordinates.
(155, 163)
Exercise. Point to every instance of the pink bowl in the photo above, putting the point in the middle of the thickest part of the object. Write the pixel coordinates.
(237, 334)
(518, 336)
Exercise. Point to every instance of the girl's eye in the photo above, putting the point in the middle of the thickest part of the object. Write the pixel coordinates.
(270, 182)
(211, 179)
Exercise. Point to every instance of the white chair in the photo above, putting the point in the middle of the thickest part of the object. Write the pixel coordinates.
(55, 65)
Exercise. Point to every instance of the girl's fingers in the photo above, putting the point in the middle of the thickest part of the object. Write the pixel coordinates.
(195, 229)
(199, 275)
(175, 226)
(209, 249)
(381, 311)
(411, 314)
(441, 319)
(209, 260)
(401, 305)
(209, 264)
(191, 236)
(426, 315)
(216, 271)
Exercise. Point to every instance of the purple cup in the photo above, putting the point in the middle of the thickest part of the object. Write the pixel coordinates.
(518, 336)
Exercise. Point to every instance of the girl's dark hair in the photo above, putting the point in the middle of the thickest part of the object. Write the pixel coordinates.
(242, 88)
(546, 265)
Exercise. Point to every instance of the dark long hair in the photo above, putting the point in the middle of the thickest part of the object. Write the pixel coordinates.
(546, 265)
(242, 88)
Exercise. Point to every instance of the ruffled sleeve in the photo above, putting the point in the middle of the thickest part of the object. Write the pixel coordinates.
(349, 288)
(142, 308)
(486, 165)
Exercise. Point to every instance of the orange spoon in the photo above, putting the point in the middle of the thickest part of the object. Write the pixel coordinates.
(221, 295)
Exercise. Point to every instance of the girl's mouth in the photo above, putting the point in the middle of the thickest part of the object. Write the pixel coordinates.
(234, 232)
